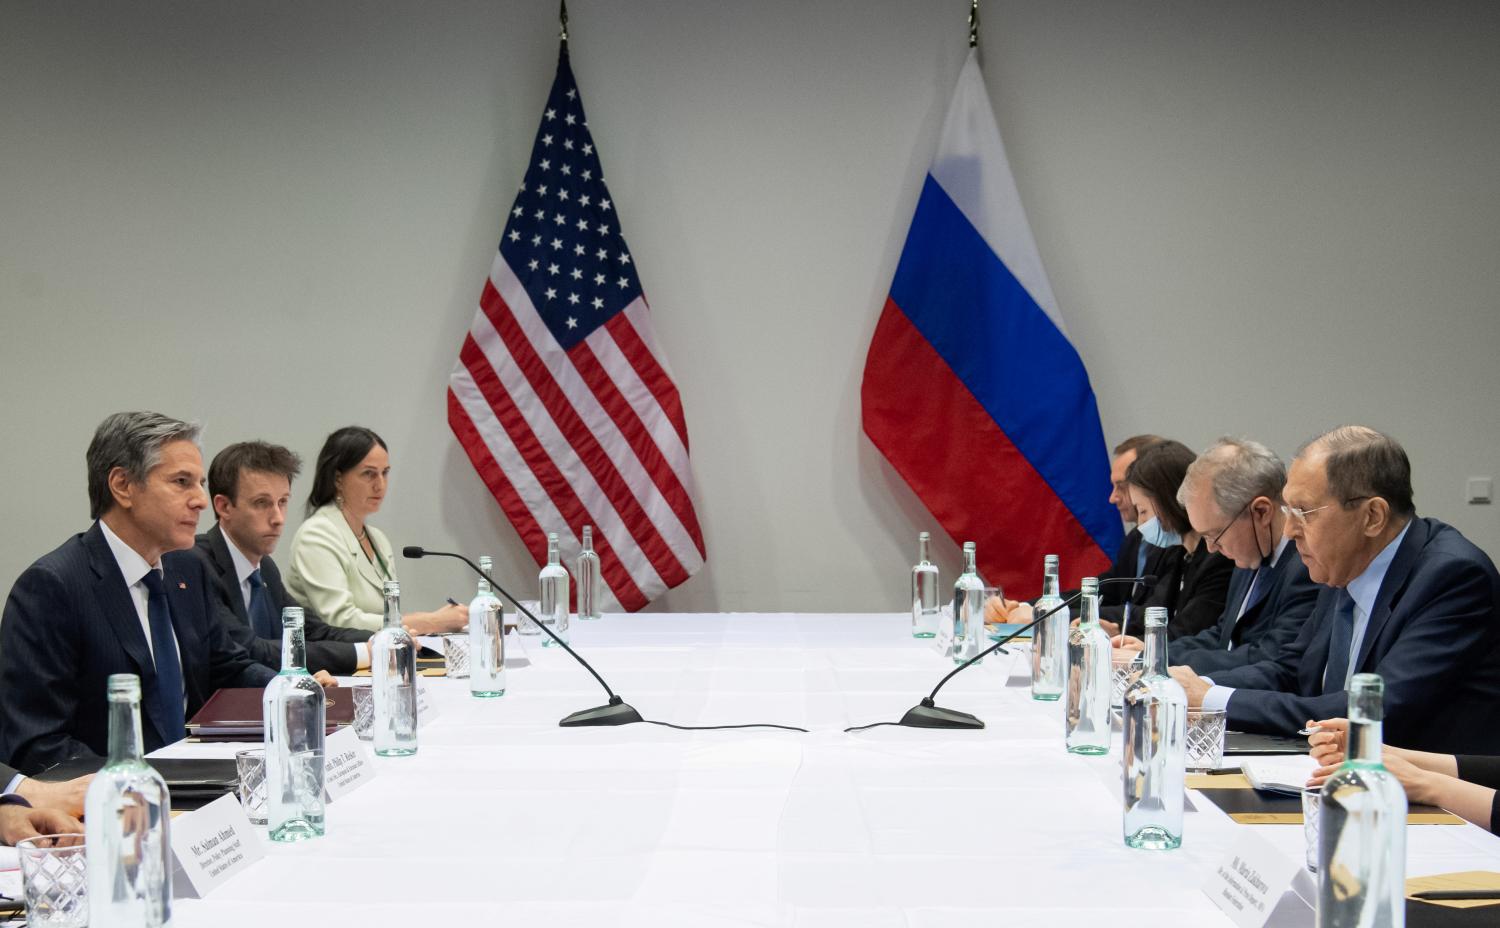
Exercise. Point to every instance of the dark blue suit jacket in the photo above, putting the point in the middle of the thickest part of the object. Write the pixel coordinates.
(1265, 628)
(70, 622)
(1434, 637)
(329, 647)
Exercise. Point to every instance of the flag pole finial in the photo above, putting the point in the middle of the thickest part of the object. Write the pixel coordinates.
(973, 23)
(562, 19)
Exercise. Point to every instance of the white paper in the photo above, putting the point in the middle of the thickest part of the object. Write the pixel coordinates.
(1279, 774)
(346, 766)
(213, 845)
(1249, 883)
(427, 710)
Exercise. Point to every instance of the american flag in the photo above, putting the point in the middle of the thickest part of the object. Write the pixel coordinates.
(561, 395)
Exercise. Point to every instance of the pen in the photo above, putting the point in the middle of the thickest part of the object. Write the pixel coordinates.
(1221, 772)
(454, 602)
(1435, 895)
(1303, 732)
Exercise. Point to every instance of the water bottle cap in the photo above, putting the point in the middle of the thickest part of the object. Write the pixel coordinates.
(124, 685)
(291, 617)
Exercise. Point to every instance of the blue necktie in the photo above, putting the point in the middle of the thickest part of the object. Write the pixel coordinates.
(1339, 641)
(1257, 588)
(262, 613)
(169, 692)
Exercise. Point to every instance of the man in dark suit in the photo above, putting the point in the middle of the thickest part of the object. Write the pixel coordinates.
(251, 484)
(1407, 598)
(1233, 497)
(1135, 558)
(123, 597)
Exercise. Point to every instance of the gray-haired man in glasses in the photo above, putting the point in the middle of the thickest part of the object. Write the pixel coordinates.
(1407, 597)
(1233, 497)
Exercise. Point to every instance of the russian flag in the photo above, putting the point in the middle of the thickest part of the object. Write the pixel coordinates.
(972, 389)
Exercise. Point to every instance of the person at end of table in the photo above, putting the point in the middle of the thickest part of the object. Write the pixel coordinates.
(1468, 785)
(126, 596)
(1130, 560)
(250, 483)
(1233, 497)
(339, 562)
(1408, 598)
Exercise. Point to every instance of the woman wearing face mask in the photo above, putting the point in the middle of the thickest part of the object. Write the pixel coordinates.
(339, 562)
(1190, 581)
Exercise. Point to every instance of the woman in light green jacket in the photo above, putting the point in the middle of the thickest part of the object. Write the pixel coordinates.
(339, 562)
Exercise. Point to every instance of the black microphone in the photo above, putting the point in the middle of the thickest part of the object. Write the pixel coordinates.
(617, 712)
(927, 714)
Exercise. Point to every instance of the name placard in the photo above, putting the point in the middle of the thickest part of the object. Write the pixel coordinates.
(346, 766)
(427, 710)
(1250, 882)
(212, 846)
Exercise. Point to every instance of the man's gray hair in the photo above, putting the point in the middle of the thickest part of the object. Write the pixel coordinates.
(132, 440)
(1239, 470)
(1362, 463)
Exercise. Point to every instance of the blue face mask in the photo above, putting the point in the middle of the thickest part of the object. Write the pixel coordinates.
(1153, 534)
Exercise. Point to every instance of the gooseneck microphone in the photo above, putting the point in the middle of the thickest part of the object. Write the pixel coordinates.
(616, 712)
(927, 714)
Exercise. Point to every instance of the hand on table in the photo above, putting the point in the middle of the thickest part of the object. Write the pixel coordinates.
(1112, 629)
(66, 796)
(1127, 643)
(450, 618)
(1194, 685)
(17, 823)
(326, 680)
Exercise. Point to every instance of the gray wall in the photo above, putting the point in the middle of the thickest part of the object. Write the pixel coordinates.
(1259, 218)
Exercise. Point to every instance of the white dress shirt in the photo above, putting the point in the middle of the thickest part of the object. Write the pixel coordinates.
(1363, 590)
(134, 568)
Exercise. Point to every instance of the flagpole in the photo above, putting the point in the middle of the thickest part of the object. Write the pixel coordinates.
(973, 24)
(562, 18)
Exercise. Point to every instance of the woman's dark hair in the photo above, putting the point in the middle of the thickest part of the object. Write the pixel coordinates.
(1158, 469)
(342, 452)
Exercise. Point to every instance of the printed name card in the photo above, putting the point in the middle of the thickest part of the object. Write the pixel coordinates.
(346, 766)
(426, 706)
(212, 845)
(1249, 884)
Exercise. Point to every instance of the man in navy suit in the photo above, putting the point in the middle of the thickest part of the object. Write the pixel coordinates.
(1233, 497)
(1407, 598)
(251, 483)
(126, 596)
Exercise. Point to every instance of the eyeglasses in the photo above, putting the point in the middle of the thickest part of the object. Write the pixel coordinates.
(1214, 542)
(1300, 515)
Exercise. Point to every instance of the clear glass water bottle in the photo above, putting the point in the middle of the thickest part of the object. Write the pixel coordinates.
(553, 594)
(1086, 715)
(590, 583)
(126, 811)
(486, 640)
(295, 716)
(1362, 826)
(1155, 745)
(1049, 640)
(925, 609)
(393, 664)
(968, 610)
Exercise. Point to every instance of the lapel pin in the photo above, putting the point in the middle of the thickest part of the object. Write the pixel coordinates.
(181, 585)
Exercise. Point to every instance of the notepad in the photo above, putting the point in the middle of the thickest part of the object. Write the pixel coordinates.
(1286, 774)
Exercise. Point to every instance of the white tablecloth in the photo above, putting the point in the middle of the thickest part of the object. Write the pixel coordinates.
(503, 818)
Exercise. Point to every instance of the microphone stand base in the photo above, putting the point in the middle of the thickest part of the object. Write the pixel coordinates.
(927, 715)
(617, 712)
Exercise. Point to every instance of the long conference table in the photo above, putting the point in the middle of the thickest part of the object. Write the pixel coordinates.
(503, 818)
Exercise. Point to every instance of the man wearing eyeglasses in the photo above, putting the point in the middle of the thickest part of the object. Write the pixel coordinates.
(1233, 496)
(1408, 598)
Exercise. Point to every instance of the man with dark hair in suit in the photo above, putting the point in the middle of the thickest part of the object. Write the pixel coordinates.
(1407, 598)
(123, 597)
(250, 484)
(1233, 497)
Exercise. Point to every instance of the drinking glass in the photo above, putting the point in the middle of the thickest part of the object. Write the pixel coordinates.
(1205, 739)
(54, 881)
(251, 764)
